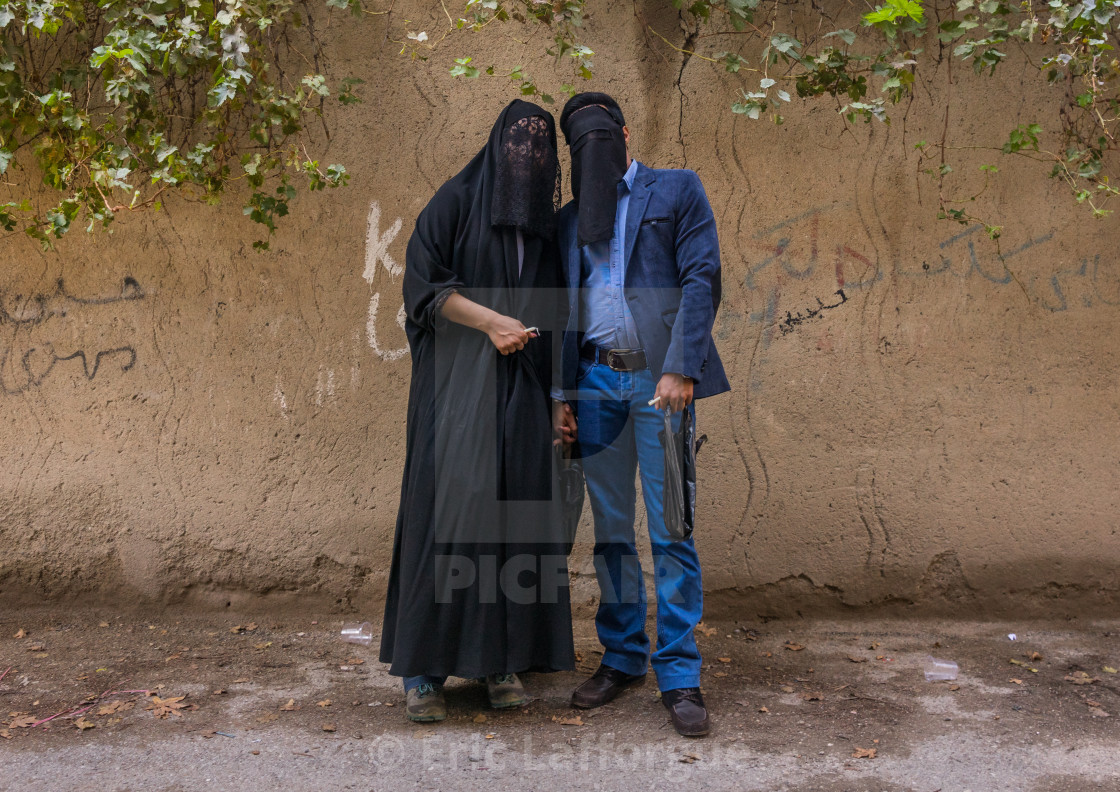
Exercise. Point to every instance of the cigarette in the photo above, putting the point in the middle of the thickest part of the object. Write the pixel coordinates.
(653, 401)
(533, 331)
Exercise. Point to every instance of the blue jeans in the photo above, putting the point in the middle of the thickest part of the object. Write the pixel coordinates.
(416, 681)
(617, 438)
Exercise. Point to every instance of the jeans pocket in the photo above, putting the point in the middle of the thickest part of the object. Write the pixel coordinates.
(585, 367)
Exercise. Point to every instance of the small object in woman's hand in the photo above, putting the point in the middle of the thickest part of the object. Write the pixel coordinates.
(654, 401)
(534, 332)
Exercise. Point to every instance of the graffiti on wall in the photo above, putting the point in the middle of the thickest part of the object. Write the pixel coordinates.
(24, 367)
(799, 250)
(377, 255)
(1087, 283)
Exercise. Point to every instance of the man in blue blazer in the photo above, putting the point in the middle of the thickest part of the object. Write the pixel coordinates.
(641, 259)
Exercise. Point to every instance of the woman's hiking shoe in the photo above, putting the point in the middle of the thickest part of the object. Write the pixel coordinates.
(425, 704)
(505, 691)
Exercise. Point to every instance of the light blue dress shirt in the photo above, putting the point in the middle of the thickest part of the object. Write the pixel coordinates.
(604, 312)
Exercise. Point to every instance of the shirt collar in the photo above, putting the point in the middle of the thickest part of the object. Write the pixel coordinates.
(631, 172)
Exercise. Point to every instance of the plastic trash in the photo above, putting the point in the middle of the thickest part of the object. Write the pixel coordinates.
(358, 633)
(1012, 637)
(940, 670)
(680, 474)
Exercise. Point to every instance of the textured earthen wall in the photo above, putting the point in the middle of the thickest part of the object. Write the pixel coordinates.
(197, 422)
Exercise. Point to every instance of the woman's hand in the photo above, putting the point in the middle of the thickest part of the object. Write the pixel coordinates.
(564, 427)
(506, 333)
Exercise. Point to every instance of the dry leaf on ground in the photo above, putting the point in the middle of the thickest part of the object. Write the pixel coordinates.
(479, 718)
(689, 758)
(7, 735)
(328, 727)
(20, 634)
(291, 705)
(856, 659)
(705, 630)
(83, 724)
(864, 753)
(1099, 713)
(1108, 669)
(763, 709)
(1081, 678)
(35, 647)
(162, 707)
(787, 689)
(324, 703)
(22, 722)
(724, 659)
(792, 646)
(573, 721)
(811, 696)
(115, 706)
(262, 645)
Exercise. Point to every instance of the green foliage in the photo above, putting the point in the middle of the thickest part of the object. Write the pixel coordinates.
(895, 13)
(868, 71)
(563, 18)
(115, 103)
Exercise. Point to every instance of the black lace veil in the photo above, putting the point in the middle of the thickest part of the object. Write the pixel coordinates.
(527, 178)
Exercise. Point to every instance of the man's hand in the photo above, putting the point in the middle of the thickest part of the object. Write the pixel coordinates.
(674, 392)
(506, 333)
(563, 424)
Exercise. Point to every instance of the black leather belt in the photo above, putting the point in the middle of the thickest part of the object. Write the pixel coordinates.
(617, 359)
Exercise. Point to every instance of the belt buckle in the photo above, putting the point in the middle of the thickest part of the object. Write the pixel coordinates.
(615, 360)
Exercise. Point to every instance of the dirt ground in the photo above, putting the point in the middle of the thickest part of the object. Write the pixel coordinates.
(212, 702)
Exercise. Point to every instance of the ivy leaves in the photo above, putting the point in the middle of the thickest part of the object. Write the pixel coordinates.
(156, 95)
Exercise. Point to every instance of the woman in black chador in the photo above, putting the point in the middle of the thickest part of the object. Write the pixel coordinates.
(478, 585)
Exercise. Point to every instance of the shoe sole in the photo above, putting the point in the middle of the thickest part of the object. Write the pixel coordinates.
(707, 730)
(621, 689)
(426, 718)
(509, 704)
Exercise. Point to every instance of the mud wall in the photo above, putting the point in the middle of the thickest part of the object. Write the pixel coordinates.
(920, 418)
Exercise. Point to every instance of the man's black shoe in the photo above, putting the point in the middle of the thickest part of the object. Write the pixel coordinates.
(603, 686)
(686, 710)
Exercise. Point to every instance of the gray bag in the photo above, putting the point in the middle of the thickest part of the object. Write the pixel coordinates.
(570, 491)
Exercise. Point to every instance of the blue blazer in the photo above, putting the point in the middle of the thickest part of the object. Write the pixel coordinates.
(672, 280)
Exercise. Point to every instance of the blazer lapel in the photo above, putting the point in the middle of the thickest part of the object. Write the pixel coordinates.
(573, 253)
(639, 199)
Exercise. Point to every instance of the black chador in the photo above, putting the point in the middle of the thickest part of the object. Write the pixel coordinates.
(478, 583)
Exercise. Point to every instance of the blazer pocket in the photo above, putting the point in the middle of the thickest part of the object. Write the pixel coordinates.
(654, 222)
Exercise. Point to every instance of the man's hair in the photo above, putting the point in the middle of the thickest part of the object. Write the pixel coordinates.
(582, 100)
